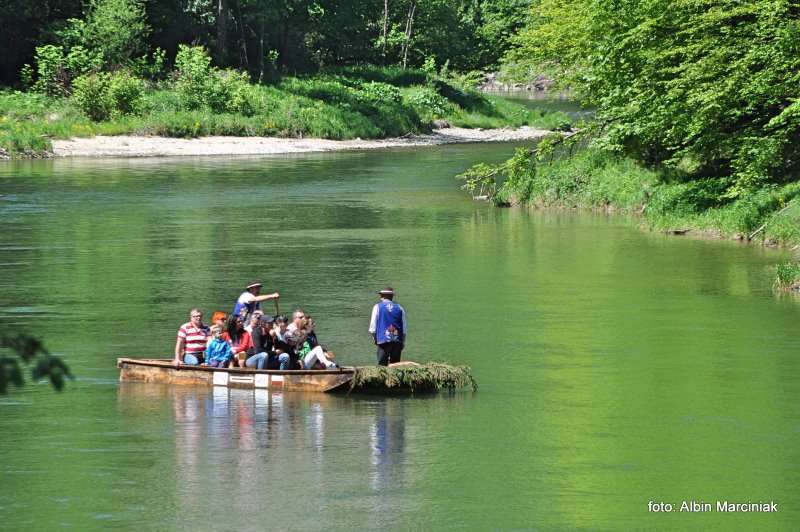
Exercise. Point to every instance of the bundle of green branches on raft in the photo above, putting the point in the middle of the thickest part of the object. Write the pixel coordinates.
(412, 377)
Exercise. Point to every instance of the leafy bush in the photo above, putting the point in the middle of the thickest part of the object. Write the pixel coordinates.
(193, 69)
(90, 93)
(103, 95)
(154, 69)
(230, 91)
(787, 275)
(55, 70)
(117, 29)
(375, 91)
(428, 103)
(201, 85)
(51, 72)
(125, 93)
(79, 61)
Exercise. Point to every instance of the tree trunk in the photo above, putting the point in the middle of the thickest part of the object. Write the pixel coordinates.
(385, 27)
(409, 22)
(244, 60)
(261, 49)
(222, 31)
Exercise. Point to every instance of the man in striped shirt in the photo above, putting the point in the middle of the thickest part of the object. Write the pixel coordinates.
(192, 339)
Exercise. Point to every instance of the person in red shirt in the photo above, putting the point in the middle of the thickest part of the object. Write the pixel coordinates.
(239, 338)
(192, 339)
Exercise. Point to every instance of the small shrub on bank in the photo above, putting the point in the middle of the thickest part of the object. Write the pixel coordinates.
(193, 69)
(104, 95)
(199, 85)
(787, 275)
(381, 93)
(90, 93)
(229, 91)
(428, 103)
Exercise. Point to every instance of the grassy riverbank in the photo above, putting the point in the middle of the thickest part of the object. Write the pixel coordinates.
(367, 103)
(591, 178)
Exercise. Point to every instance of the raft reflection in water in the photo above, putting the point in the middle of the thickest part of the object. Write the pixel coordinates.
(275, 459)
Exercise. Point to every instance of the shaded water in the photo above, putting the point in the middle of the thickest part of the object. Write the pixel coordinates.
(616, 366)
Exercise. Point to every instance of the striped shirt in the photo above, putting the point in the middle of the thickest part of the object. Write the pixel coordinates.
(194, 338)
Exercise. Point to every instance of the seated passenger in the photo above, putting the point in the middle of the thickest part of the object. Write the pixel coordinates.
(291, 340)
(281, 349)
(252, 321)
(311, 334)
(311, 338)
(191, 342)
(218, 351)
(298, 321)
(239, 339)
(218, 318)
(279, 329)
(306, 355)
(262, 351)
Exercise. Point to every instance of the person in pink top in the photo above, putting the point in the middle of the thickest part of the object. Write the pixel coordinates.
(192, 339)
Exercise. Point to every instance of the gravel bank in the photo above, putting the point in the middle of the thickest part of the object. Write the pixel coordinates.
(140, 146)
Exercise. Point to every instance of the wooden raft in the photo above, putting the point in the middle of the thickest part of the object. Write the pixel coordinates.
(164, 371)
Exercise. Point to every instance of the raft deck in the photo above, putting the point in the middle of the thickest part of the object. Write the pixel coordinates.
(164, 371)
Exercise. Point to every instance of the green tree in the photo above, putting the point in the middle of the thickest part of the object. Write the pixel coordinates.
(117, 28)
(29, 350)
(700, 87)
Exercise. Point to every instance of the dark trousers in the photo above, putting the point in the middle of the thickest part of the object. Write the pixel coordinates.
(389, 353)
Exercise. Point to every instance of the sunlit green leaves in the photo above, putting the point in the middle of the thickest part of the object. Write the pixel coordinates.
(708, 81)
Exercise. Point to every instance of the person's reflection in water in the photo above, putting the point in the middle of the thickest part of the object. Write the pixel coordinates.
(189, 444)
(315, 427)
(388, 445)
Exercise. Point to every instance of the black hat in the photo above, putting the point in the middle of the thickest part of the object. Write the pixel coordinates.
(388, 291)
(266, 318)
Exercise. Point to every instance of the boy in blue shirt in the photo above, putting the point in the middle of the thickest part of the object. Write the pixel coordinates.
(218, 351)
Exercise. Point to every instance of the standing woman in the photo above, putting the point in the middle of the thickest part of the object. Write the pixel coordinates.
(239, 339)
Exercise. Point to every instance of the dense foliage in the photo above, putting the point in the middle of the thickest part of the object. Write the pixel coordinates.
(700, 88)
(264, 37)
(199, 99)
(695, 122)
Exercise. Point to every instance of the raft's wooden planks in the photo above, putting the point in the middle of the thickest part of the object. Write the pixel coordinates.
(164, 371)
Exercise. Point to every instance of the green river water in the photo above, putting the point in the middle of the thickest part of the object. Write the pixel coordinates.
(616, 366)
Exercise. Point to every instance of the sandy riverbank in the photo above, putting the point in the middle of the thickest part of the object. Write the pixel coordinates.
(141, 146)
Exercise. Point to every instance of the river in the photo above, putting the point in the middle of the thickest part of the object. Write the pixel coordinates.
(616, 366)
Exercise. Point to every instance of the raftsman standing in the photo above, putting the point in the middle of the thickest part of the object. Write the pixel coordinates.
(388, 328)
